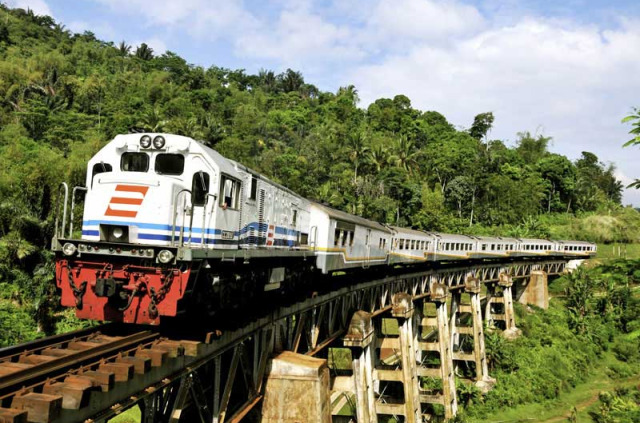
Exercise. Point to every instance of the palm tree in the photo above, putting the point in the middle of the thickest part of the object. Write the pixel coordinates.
(356, 143)
(144, 52)
(291, 80)
(268, 80)
(124, 49)
(405, 153)
(350, 92)
(377, 156)
(152, 120)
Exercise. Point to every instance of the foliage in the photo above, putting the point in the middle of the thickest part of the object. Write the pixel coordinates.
(635, 132)
(621, 405)
(63, 95)
(560, 346)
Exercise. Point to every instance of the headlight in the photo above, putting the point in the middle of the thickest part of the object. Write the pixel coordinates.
(82, 247)
(145, 141)
(69, 249)
(117, 232)
(150, 252)
(165, 256)
(158, 141)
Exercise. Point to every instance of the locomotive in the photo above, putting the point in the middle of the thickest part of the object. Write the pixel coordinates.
(169, 224)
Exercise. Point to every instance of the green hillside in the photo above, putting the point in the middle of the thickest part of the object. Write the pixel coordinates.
(64, 95)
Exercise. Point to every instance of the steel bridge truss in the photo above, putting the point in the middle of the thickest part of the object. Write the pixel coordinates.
(226, 379)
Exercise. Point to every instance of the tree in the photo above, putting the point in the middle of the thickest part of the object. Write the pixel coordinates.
(482, 124)
(634, 118)
(531, 148)
(144, 52)
(290, 80)
(357, 149)
(124, 49)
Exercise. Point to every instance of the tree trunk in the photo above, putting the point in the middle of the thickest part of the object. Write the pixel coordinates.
(473, 200)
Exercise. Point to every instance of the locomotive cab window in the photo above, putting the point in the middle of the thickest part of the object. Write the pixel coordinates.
(229, 192)
(100, 168)
(199, 188)
(169, 164)
(134, 162)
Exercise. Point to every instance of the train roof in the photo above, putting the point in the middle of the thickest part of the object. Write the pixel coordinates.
(456, 237)
(567, 241)
(346, 217)
(409, 231)
(497, 239)
(534, 240)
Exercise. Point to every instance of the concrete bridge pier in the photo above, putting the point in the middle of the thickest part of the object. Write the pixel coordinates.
(510, 331)
(403, 310)
(443, 346)
(360, 339)
(536, 291)
(483, 381)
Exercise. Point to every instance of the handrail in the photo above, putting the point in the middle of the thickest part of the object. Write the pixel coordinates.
(73, 205)
(175, 216)
(57, 232)
(204, 214)
(314, 232)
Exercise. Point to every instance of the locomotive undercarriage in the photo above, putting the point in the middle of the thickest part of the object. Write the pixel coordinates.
(118, 286)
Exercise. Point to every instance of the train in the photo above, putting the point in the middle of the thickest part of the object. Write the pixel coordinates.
(170, 225)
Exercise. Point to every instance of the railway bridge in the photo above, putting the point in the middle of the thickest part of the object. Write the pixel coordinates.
(388, 346)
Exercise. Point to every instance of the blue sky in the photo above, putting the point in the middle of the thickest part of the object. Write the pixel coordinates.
(568, 69)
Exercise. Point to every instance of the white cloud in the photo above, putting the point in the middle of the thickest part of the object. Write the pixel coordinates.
(210, 19)
(403, 20)
(300, 38)
(39, 7)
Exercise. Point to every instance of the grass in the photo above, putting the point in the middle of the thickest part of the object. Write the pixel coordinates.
(614, 251)
(584, 397)
(132, 415)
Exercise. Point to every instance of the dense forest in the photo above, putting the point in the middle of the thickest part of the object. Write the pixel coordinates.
(64, 95)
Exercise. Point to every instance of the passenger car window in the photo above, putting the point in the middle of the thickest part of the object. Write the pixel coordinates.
(199, 188)
(169, 164)
(134, 162)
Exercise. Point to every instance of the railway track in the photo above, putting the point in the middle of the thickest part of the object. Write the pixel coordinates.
(42, 379)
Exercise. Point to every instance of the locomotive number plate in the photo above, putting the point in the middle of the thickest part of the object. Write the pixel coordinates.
(227, 235)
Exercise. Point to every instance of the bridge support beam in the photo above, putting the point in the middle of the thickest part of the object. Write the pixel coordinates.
(483, 381)
(510, 330)
(443, 346)
(402, 309)
(439, 296)
(536, 290)
(360, 338)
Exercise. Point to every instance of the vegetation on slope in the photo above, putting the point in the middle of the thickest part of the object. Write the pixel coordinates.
(591, 329)
(64, 95)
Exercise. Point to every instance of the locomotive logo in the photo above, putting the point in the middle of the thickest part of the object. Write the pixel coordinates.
(126, 201)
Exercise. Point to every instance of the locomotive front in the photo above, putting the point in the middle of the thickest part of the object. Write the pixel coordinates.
(145, 195)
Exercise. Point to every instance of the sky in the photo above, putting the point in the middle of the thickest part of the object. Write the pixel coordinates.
(565, 69)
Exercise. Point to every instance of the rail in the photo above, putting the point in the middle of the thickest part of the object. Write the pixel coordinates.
(38, 367)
